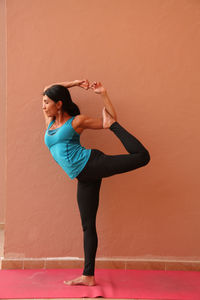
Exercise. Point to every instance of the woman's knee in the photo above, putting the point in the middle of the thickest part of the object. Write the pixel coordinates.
(140, 159)
(145, 157)
(89, 225)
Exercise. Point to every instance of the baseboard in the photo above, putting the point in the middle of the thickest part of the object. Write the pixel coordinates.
(100, 263)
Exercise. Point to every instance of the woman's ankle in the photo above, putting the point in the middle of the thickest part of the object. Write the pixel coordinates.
(113, 125)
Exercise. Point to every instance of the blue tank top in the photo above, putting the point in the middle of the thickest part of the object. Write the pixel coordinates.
(64, 145)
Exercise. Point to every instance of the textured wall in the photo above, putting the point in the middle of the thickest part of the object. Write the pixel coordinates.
(146, 53)
(2, 110)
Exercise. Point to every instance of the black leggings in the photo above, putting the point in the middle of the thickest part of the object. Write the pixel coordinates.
(89, 179)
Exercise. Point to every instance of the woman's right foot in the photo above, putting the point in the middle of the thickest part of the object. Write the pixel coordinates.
(82, 280)
(108, 120)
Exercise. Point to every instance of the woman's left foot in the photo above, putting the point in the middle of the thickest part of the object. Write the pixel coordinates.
(108, 120)
(83, 280)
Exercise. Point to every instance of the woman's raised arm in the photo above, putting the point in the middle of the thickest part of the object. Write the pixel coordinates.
(68, 84)
(99, 89)
(47, 119)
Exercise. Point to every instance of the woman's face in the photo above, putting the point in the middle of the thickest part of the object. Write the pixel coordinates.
(50, 107)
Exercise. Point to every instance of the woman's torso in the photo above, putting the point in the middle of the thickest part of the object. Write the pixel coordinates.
(64, 144)
(79, 130)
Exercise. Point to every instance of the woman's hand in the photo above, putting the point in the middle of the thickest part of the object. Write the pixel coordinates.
(98, 88)
(83, 83)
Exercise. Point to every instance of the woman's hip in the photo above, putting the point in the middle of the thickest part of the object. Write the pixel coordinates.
(92, 164)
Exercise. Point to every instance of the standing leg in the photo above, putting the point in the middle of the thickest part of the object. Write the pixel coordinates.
(88, 202)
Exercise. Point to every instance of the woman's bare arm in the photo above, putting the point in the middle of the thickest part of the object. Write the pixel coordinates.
(47, 119)
(99, 89)
(86, 122)
(68, 84)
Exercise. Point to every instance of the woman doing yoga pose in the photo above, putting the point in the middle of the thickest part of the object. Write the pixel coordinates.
(65, 124)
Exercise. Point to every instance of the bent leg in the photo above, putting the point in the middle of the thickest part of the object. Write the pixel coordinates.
(122, 163)
(102, 165)
(138, 157)
(88, 202)
(130, 142)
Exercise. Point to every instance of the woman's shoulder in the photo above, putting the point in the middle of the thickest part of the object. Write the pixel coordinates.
(77, 121)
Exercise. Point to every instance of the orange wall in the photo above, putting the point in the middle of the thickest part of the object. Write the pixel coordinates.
(2, 110)
(146, 54)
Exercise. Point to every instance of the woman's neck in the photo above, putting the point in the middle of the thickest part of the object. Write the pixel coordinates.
(61, 118)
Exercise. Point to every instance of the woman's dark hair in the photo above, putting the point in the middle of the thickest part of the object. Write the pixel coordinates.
(58, 92)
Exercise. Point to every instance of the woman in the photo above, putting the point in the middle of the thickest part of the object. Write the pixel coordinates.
(65, 124)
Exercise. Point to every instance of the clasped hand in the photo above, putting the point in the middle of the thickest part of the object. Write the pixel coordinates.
(85, 84)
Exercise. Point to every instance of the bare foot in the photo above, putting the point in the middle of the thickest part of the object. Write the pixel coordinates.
(108, 120)
(83, 280)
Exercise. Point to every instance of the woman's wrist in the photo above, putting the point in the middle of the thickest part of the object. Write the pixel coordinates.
(104, 93)
(77, 82)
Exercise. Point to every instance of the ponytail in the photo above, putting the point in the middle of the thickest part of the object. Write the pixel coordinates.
(72, 109)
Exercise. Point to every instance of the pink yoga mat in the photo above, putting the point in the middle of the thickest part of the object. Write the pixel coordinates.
(48, 283)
